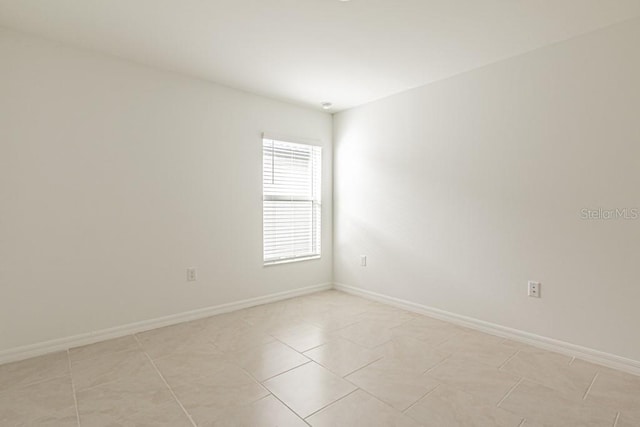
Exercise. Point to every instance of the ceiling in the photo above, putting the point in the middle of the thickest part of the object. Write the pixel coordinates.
(310, 51)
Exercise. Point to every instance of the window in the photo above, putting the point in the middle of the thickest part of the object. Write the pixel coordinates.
(291, 200)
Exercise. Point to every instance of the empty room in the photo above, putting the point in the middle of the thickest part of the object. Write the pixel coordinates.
(326, 213)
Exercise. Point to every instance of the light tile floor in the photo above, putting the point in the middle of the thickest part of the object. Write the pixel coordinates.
(327, 359)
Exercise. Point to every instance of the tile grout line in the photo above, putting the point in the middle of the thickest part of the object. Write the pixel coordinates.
(508, 360)
(285, 405)
(421, 397)
(590, 386)
(292, 411)
(135, 337)
(438, 364)
(373, 396)
(312, 348)
(168, 386)
(342, 376)
(393, 408)
(297, 351)
(329, 404)
(277, 375)
(356, 370)
(73, 388)
(509, 392)
(94, 386)
(270, 393)
(223, 357)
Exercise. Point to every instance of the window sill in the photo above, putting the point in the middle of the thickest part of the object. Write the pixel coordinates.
(290, 260)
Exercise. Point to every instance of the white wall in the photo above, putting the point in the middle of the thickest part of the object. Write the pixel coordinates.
(461, 191)
(115, 178)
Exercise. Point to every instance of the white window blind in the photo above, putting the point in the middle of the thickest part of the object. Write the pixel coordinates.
(291, 200)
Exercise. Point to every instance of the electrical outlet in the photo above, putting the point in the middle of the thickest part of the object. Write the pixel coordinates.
(192, 275)
(363, 260)
(534, 289)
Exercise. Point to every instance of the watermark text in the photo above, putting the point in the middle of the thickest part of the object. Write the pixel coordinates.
(610, 214)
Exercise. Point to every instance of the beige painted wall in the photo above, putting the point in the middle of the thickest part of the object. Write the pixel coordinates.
(115, 178)
(461, 191)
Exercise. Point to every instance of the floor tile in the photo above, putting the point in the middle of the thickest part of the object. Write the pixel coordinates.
(270, 315)
(552, 370)
(480, 347)
(266, 412)
(308, 388)
(426, 329)
(542, 404)
(271, 326)
(446, 406)
(367, 333)
(238, 336)
(33, 370)
(625, 421)
(126, 343)
(168, 414)
(593, 367)
(333, 320)
(45, 403)
(618, 391)
(528, 423)
(360, 409)
(121, 399)
(342, 357)
(412, 353)
(109, 367)
(308, 341)
(185, 366)
(221, 321)
(473, 377)
(268, 360)
(302, 336)
(161, 342)
(351, 304)
(206, 399)
(442, 374)
(389, 316)
(390, 381)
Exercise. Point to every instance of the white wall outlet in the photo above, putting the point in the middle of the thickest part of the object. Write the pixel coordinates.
(363, 260)
(534, 289)
(192, 275)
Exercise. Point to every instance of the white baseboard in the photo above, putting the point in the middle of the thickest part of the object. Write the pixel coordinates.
(585, 353)
(60, 344)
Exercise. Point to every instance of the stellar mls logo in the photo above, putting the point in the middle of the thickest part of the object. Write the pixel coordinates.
(610, 214)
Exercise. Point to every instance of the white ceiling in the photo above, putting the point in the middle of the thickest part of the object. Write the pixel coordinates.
(309, 51)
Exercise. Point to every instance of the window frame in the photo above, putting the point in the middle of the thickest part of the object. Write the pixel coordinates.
(316, 203)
